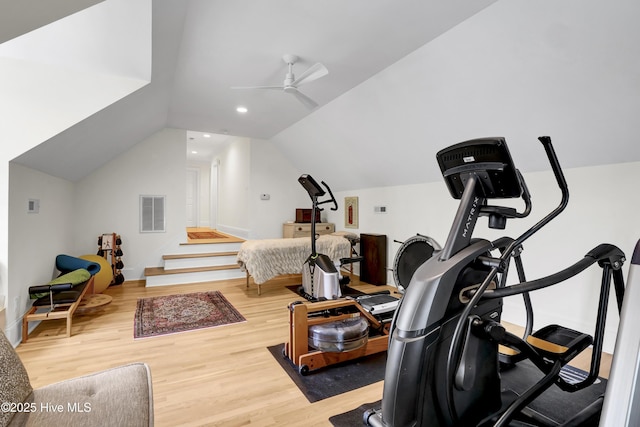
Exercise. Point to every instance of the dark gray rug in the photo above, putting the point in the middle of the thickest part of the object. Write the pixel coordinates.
(554, 403)
(353, 417)
(336, 379)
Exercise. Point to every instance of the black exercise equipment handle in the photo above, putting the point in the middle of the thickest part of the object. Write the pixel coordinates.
(599, 254)
(564, 201)
(59, 287)
(333, 199)
(498, 215)
(555, 166)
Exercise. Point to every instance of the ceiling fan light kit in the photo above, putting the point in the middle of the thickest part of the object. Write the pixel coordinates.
(291, 83)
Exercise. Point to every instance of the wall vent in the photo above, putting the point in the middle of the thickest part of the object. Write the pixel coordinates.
(152, 214)
(33, 206)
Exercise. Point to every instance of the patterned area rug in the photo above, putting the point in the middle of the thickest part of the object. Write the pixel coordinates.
(185, 312)
(206, 235)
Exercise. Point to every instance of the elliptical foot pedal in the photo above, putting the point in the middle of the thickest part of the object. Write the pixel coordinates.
(508, 357)
(559, 343)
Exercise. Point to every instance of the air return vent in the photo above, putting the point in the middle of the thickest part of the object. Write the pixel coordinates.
(152, 214)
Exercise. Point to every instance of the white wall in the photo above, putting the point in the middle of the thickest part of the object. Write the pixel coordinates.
(272, 174)
(40, 79)
(601, 210)
(108, 201)
(35, 239)
(234, 170)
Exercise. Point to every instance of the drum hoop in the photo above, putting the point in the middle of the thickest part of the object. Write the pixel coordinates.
(418, 238)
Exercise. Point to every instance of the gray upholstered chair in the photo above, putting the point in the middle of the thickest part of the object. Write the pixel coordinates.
(119, 396)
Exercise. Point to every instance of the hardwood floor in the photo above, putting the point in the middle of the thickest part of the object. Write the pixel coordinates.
(222, 376)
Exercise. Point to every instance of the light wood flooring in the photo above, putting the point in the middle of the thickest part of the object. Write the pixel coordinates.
(223, 376)
(228, 237)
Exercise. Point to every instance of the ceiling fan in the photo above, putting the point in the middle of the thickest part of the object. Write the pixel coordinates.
(291, 83)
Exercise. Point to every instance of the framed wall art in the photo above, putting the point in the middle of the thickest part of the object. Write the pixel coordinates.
(351, 212)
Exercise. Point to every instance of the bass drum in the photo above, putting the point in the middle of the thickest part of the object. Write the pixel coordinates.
(412, 254)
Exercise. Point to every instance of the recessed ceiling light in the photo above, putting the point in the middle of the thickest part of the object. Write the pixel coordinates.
(206, 135)
(194, 152)
(242, 109)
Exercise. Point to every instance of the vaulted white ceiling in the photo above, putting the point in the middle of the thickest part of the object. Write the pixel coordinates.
(201, 48)
(405, 80)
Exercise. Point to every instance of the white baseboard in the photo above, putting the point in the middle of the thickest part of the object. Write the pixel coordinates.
(13, 331)
(3, 318)
(243, 233)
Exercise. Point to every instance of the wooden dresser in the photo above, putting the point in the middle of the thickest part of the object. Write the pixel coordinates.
(298, 229)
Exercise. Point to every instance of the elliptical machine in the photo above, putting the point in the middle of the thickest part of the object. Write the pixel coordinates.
(320, 277)
(443, 359)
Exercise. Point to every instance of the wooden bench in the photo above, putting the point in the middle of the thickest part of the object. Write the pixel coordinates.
(62, 307)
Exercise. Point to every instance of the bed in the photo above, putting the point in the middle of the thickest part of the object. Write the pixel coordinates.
(268, 258)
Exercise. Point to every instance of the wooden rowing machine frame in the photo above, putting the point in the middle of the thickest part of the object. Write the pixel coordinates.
(297, 349)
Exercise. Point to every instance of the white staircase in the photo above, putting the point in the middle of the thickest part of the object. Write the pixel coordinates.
(194, 263)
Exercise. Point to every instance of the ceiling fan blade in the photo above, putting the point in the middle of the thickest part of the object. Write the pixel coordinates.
(308, 102)
(312, 73)
(258, 87)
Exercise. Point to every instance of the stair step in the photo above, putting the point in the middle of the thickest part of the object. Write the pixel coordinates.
(208, 248)
(158, 276)
(198, 260)
(161, 271)
(199, 255)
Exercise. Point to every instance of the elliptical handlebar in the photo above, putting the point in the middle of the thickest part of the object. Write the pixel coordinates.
(602, 254)
(526, 196)
(499, 214)
(557, 170)
(564, 188)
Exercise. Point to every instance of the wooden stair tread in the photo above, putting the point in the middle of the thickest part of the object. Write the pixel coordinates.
(213, 241)
(159, 271)
(199, 255)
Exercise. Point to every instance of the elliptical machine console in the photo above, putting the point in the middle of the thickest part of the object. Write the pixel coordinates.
(320, 277)
(443, 358)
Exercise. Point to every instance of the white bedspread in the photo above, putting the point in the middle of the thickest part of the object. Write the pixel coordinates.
(268, 258)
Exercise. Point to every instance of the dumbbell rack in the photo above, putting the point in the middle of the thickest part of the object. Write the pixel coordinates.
(109, 247)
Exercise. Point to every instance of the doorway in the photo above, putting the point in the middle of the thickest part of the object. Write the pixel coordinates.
(192, 207)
